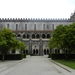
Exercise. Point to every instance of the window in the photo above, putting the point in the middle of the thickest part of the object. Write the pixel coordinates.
(25, 26)
(34, 26)
(48, 35)
(7, 25)
(52, 26)
(24, 36)
(37, 36)
(43, 36)
(43, 26)
(47, 26)
(27, 35)
(16, 26)
(33, 35)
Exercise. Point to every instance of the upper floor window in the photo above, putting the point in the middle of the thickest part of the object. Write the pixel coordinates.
(25, 26)
(52, 26)
(7, 25)
(47, 26)
(16, 26)
(43, 26)
(34, 26)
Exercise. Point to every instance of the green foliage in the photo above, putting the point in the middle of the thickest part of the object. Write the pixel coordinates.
(6, 40)
(12, 57)
(9, 42)
(69, 63)
(22, 45)
(63, 37)
(61, 56)
(23, 55)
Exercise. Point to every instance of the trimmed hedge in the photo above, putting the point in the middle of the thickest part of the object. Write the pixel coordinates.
(13, 57)
(61, 56)
(23, 55)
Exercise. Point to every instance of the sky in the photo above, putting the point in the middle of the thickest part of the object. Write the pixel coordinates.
(36, 8)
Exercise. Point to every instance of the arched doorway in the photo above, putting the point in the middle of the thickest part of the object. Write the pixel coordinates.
(26, 51)
(44, 51)
(47, 51)
(36, 51)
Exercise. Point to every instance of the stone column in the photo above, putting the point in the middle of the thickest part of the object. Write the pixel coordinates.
(40, 46)
(30, 44)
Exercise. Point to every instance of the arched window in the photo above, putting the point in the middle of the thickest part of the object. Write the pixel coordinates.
(24, 36)
(18, 35)
(37, 36)
(27, 35)
(33, 35)
(48, 35)
(43, 36)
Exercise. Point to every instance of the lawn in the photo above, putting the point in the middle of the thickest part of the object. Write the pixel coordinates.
(69, 63)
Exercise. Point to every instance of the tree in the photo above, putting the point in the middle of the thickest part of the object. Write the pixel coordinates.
(57, 40)
(63, 37)
(22, 46)
(7, 41)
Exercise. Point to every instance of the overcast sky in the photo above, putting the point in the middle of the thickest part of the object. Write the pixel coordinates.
(36, 8)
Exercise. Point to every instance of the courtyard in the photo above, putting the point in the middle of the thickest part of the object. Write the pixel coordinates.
(33, 65)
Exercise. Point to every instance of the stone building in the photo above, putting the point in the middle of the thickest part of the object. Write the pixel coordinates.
(35, 32)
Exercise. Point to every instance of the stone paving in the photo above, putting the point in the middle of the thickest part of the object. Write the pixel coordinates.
(34, 65)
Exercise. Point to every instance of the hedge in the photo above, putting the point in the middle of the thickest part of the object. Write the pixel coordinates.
(61, 56)
(23, 55)
(13, 57)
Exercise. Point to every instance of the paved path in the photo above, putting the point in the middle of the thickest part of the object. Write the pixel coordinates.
(35, 65)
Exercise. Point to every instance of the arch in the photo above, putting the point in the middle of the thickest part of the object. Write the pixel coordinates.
(56, 51)
(26, 51)
(33, 35)
(45, 51)
(18, 35)
(36, 51)
(37, 36)
(27, 35)
(66, 51)
(24, 36)
(33, 51)
(13, 51)
(48, 35)
(43, 36)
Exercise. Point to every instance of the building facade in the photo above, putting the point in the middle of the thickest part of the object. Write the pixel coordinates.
(35, 32)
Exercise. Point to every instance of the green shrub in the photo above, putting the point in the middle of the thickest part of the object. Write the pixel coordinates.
(23, 55)
(31, 54)
(12, 57)
(61, 56)
(50, 56)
